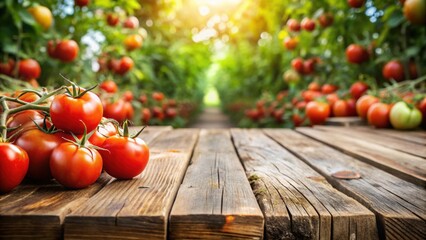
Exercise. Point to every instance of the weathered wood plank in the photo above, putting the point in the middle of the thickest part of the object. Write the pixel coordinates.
(400, 206)
(406, 166)
(344, 121)
(138, 208)
(150, 132)
(215, 200)
(38, 210)
(373, 137)
(297, 201)
(411, 136)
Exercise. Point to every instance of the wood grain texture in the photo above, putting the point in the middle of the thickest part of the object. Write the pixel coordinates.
(297, 202)
(137, 208)
(38, 210)
(404, 165)
(383, 140)
(344, 121)
(400, 206)
(150, 132)
(215, 200)
(418, 137)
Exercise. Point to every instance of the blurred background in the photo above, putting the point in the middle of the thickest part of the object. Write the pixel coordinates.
(238, 55)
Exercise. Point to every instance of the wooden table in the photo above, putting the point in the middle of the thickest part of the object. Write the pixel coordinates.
(242, 184)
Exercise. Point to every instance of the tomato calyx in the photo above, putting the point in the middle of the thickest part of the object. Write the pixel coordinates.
(83, 142)
(124, 131)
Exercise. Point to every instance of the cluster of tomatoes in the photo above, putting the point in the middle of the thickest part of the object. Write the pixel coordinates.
(317, 103)
(63, 135)
(118, 66)
(27, 69)
(307, 24)
(155, 108)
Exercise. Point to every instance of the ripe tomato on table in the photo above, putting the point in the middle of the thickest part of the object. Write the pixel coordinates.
(378, 115)
(13, 166)
(125, 157)
(364, 103)
(74, 166)
(74, 113)
(39, 146)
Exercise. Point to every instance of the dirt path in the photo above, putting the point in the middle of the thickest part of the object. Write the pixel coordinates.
(212, 117)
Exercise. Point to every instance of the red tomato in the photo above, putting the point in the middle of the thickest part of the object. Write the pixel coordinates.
(308, 24)
(378, 115)
(39, 147)
(66, 50)
(102, 132)
(297, 64)
(133, 42)
(393, 70)
(114, 65)
(332, 98)
(158, 113)
(297, 120)
(314, 86)
(171, 112)
(82, 3)
(328, 88)
(414, 11)
(317, 112)
(290, 43)
(310, 95)
(301, 105)
(344, 108)
(6, 68)
(363, 104)
(128, 108)
(72, 114)
(126, 64)
(422, 107)
(51, 48)
(358, 89)
(309, 66)
(109, 86)
(131, 22)
(356, 3)
(146, 115)
(325, 19)
(24, 120)
(115, 110)
(112, 19)
(125, 157)
(293, 25)
(143, 99)
(29, 68)
(158, 96)
(13, 166)
(128, 96)
(356, 54)
(75, 167)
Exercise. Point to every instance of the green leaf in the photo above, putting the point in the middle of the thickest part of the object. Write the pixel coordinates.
(26, 17)
(396, 19)
(412, 51)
